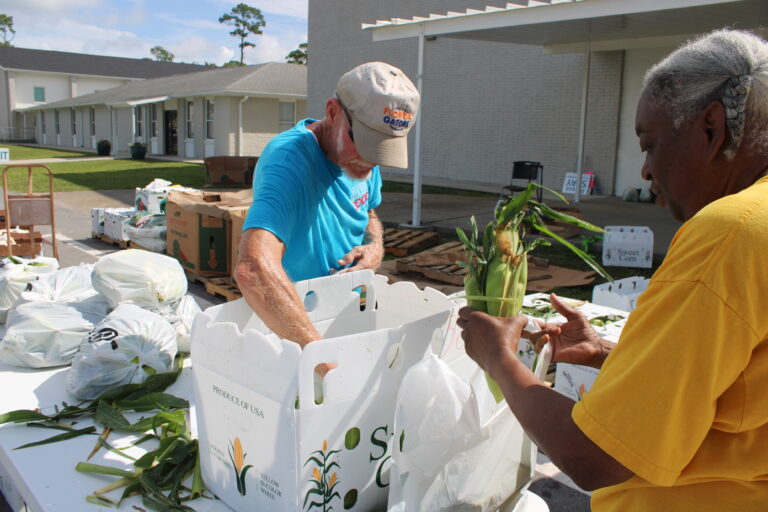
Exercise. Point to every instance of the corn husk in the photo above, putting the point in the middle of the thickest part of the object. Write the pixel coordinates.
(498, 263)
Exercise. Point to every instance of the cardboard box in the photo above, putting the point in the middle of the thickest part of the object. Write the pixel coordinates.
(229, 171)
(238, 219)
(199, 229)
(622, 294)
(150, 201)
(255, 394)
(628, 246)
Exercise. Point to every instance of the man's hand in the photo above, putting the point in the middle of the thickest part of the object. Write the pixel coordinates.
(368, 255)
(574, 341)
(490, 340)
(363, 256)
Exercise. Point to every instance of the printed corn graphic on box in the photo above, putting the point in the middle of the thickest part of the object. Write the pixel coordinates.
(270, 437)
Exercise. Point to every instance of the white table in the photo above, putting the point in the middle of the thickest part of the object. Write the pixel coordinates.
(43, 478)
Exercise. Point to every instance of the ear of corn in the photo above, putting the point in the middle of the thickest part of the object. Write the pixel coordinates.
(498, 266)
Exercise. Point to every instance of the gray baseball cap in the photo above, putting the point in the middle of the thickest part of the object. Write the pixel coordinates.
(383, 104)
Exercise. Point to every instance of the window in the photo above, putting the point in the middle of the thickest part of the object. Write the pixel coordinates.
(287, 115)
(56, 121)
(93, 121)
(190, 120)
(139, 121)
(39, 93)
(208, 119)
(153, 117)
(74, 122)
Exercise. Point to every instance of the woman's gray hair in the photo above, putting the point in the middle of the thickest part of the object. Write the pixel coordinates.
(730, 66)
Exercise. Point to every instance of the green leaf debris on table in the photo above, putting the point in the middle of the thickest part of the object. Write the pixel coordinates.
(159, 474)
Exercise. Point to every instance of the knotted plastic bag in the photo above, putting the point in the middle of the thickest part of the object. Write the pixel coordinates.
(45, 334)
(127, 346)
(146, 279)
(181, 317)
(15, 273)
(71, 284)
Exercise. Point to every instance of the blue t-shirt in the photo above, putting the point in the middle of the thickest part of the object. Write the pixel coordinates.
(306, 201)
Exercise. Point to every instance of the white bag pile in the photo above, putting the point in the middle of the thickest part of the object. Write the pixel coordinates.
(130, 344)
(15, 273)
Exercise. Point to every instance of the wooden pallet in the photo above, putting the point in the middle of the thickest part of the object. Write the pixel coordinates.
(223, 287)
(123, 244)
(402, 242)
(194, 278)
(444, 272)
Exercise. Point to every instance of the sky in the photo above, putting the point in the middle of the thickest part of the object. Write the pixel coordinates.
(129, 28)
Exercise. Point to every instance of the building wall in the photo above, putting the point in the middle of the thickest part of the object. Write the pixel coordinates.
(485, 105)
(260, 124)
(225, 124)
(56, 86)
(629, 157)
(88, 85)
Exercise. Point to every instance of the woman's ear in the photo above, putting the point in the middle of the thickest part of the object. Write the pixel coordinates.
(715, 129)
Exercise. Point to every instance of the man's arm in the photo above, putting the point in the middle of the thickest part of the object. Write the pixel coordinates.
(544, 413)
(370, 254)
(268, 290)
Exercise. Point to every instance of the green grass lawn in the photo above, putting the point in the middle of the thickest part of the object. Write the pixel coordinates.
(33, 153)
(108, 174)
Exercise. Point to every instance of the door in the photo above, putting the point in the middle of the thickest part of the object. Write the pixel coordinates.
(171, 134)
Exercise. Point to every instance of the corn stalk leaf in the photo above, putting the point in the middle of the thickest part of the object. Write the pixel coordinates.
(88, 467)
(562, 217)
(60, 437)
(22, 416)
(151, 402)
(540, 226)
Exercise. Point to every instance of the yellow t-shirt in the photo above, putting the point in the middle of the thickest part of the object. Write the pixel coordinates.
(683, 399)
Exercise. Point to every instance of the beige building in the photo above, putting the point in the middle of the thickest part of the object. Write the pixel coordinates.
(553, 81)
(34, 77)
(230, 111)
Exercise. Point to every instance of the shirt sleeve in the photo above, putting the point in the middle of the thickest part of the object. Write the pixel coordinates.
(374, 188)
(655, 398)
(277, 195)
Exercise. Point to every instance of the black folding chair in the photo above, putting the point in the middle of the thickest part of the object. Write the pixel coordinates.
(528, 171)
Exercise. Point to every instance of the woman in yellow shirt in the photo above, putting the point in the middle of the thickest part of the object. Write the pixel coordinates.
(678, 416)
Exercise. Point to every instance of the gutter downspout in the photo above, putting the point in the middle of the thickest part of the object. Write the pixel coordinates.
(240, 125)
(416, 216)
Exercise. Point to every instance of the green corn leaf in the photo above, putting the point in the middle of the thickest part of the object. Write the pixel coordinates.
(87, 467)
(22, 416)
(515, 205)
(110, 417)
(152, 401)
(578, 252)
(562, 217)
(60, 437)
(102, 501)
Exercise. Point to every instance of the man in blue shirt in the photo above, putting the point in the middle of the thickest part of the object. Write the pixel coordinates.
(315, 190)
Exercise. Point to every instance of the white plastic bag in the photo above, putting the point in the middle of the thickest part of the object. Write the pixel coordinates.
(44, 334)
(146, 279)
(71, 284)
(127, 346)
(15, 273)
(147, 230)
(455, 448)
(181, 317)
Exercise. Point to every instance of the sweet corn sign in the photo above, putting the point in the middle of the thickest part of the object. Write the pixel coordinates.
(268, 440)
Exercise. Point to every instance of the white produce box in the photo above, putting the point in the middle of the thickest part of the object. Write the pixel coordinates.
(574, 380)
(621, 294)
(150, 201)
(255, 394)
(113, 222)
(97, 221)
(628, 246)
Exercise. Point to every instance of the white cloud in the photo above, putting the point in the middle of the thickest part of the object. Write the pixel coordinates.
(12, 6)
(269, 48)
(89, 39)
(199, 49)
(199, 24)
(294, 8)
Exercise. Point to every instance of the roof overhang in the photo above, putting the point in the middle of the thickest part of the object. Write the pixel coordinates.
(571, 25)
